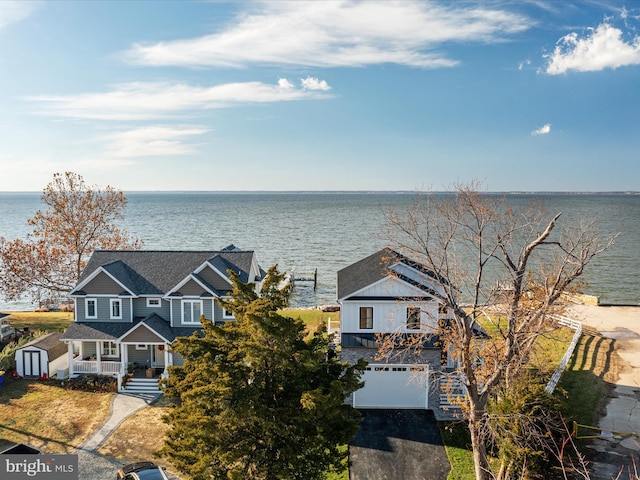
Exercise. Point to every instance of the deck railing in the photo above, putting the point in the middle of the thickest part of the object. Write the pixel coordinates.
(91, 366)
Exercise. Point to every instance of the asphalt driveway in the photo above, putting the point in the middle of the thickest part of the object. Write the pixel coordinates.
(398, 444)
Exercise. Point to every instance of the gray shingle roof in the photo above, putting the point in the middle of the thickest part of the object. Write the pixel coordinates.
(373, 268)
(50, 343)
(110, 331)
(153, 272)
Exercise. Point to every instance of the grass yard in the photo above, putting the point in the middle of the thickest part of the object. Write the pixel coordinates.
(49, 321)
(140, 436)
(312, 317)
(48, 417)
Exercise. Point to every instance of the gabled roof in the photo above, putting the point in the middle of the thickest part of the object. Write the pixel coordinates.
(50, 343)
(376, 267)
(153, 272)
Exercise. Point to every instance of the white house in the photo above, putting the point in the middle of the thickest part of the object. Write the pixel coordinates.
(389, 297)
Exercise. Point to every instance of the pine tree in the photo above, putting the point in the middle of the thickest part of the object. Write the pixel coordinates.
(256, 399)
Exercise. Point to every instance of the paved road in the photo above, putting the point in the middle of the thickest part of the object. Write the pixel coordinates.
(398, 444)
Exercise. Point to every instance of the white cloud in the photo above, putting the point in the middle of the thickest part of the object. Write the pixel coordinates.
(149, 100)
(13, 11)
(284, 83)
(152, 140)
(543, 130)
(524, 64)
(335, 34)
(603, 48)
(311, 83)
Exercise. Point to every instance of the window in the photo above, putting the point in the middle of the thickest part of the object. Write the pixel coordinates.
(91, 308)
(191, 311)
(226, 313)
(109, 349)
(153, 302)
(366, 317)
(141, 347)
(413, 318)
(116, 308)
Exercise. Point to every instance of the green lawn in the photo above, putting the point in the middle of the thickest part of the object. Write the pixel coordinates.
(49, 321)
(312, 317)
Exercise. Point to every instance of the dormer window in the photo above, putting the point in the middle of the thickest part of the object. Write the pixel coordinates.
(153, 302)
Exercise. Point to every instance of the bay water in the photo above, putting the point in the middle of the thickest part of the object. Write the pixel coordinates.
(327, 231)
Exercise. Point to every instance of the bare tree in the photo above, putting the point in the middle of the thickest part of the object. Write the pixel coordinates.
(502, 265)
(78, 220)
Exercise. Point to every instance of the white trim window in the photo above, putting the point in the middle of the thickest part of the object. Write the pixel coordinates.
(154, 302)
(191, 311)
(115, 307)
(227, 314)
(109, 349)
(90, 308)
(140, 346)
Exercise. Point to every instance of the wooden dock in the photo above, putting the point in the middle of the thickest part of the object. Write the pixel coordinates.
(305, 275)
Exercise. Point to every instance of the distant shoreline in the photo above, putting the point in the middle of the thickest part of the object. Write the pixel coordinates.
(355, 192)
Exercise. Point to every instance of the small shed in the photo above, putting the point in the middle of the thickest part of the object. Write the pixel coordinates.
(42, 356)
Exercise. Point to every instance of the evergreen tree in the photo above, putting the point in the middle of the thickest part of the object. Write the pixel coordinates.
(256, 400)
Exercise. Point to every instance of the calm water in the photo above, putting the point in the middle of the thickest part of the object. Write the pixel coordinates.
(329, 231)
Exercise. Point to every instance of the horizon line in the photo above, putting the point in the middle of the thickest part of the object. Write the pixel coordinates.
(511, 192)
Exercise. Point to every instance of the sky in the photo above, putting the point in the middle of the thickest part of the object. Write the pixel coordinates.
(324, 95)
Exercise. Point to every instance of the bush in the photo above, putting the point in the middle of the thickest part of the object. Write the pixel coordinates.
(8, 353)
(90, 383)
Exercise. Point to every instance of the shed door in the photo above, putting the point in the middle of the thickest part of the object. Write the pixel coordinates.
(393, 386)
(31, 363)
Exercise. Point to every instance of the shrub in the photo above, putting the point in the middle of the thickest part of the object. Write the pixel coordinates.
(8, 354)
(89, 383)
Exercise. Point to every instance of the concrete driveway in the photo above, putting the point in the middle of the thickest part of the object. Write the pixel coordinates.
(398, 444)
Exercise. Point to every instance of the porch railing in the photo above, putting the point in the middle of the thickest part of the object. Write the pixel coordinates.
(91, 366)
(333, 328)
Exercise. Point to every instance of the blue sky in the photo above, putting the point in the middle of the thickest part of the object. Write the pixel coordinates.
(325, 95)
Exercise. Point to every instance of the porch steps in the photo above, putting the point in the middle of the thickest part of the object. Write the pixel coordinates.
(142, 385)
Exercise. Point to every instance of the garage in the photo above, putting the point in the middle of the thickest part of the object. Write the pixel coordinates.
(394, 386)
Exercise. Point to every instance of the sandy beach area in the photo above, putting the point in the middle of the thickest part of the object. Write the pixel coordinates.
(619, 445)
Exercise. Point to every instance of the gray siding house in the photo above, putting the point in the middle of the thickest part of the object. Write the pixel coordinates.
(131, 305)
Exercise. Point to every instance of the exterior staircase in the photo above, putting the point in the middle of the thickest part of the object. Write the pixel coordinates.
(142, 385)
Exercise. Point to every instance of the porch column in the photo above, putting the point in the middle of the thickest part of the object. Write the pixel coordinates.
(70, 355)
(124, 355)
(99, 358)
(166, 359)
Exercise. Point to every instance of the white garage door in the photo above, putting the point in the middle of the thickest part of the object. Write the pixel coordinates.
(393, 386)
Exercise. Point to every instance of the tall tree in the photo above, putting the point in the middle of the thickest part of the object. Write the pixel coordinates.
(78, 220)
(507, 266)
(256, 398)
